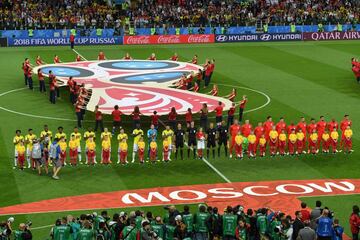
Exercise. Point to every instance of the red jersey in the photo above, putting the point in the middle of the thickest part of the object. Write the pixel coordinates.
(172, 116)
(188, 117)
(24, 67)
(70, 83)
(200, 135)
(280, 126)
(136, 115)
(183, 84)
(52, 85)
(259, 131)
(219, 110)
(199, 76)
(208, 70)
(311, 127)
(116, 115)
(305, 215)
(232, 96)
(78, 107)
(333, 124)
(174, 58)
(344, 123)
(196, 88)
(72, 38)
(29, 72)
(212, 67)
(155, 119)
(56, 60)
(98, 115)
(246, 129)
(127, 58)
(231, 111)
(291, 128)
(194, 61)
(190, 79)
(101, 57)
(214, 91)
(40, 76)
(321, 126)
(234, 129)
(243, 103)
(268, 126)
(78, 59)
(302, 126)
(151, 58)
(39, 61)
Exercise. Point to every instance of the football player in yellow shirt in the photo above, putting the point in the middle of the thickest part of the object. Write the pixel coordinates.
(334, 135)
(292, 142)
(282, 142)
(238, 145)
(89, 134)
(60, 133)
(123, 150)
(262, 145)
(106, 146)
(91, 151)
(348, 133)
(141, 150)
(63, 147)
(273, 141)
(168, 134)
(77, 136)
(252, 144)
(16, 140)
(73, 149)
(325, 141)
(20, 153)
(153, 151)
(121, 136)
(300, 142)
(313, 139)
(29, 138)
(46, 133)
(137, 134)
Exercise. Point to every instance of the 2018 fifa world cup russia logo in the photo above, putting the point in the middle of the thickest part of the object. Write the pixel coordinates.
(130, 83)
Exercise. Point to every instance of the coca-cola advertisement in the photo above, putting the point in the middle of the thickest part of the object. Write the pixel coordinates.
(323, 36)
(169, 39)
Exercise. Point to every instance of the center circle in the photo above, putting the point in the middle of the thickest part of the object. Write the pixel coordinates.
(138, 65)
(63, 71)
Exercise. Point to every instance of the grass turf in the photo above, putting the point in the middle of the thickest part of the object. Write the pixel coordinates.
(302, 79)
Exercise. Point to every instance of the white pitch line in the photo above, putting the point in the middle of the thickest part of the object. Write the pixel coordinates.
(41, 227)
(79, 54)
(216, 170)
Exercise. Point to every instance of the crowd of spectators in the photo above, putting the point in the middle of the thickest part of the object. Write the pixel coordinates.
(16, 14)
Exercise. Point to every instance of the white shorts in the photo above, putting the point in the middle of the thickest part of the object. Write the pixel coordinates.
(28, 152)
(16, 153)
(170, 146)
(135, 147)
(201, 144)
(79, 149)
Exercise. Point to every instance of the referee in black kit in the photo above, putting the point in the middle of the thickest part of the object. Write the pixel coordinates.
(223, 136)
(179, 141)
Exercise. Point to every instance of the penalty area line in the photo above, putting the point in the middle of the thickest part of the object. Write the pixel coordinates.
(79, 54)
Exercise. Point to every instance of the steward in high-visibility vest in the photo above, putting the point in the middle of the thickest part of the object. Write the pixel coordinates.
(320, 27)
(266, 28)
(153, 31)
(292, 28)
(99, 32)
(30, 32)
(131, 31)
(73, 32)
(339, 27)
(177, 31)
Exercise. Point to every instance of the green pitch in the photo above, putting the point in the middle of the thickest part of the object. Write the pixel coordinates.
(301, 79)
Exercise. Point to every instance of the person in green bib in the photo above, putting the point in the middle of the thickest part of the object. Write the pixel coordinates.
(241, 232)
(188, 219)
(86, 233)
(201, 223)
(61, 230)
(158, 227)
(275, 226)
(138, 219)
(170, 230)
(229, 221)
(262, 223)
(130, 232)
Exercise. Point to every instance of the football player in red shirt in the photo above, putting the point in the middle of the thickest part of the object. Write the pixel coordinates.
(291, 128)
(312, 126)
(98, 119)
(116, 113)
(57, 59)
(41, 81)
(281, 125)
(218, 112)
(78, 58)
(214, 91)
(246, 128)
(174, 57)
(39, 61)
(320, 128)
(231, 114)
(127, 57)
(333, 124)
(259, 131)
(101, 56)
(152, 57)
(268, 125)
(343, 125)
(303, 126)
(234, 129)
(155, 119)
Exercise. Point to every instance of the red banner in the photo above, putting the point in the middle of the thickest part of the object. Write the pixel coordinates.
(169, 39)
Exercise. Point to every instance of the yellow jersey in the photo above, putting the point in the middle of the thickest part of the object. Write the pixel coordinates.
(314, 137)
(17, 139)
(252, 138)
(106, 144)
(141, 145)
(348, 133)
(138, 133)
(77, 137)
(91, 146)
(88, 135)
(62, 146)
(262, 141)
(300, 136)
(292, 137)
(123, 146)
(325, 136)
(103, 134)
(20, 149)
(239, 139)
(153, 145)
(168, 135)
(334, 135)
(44, 134)
(282, 137)
(29, 140)
(273, 134)
(60, 135)
(73, 144)
(121, 136)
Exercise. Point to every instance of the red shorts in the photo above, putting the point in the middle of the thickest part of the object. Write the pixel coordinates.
(73, 153)
(91, 154)
(63, 155)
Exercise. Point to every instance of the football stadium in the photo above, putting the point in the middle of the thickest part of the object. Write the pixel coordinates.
(164, 119)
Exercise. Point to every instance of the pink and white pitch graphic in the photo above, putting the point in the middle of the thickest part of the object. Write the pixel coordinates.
(130, 83)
